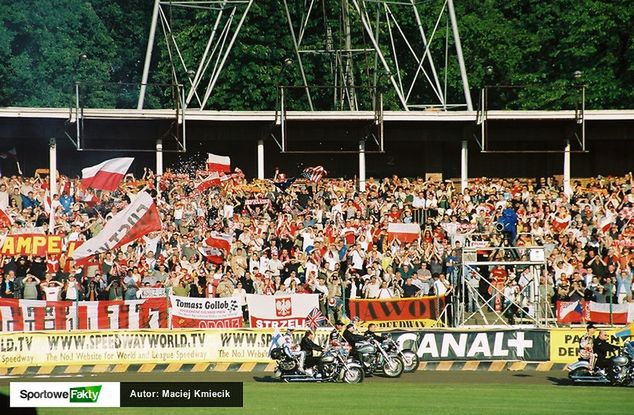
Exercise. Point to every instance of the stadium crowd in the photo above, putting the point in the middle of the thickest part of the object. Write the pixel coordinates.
(328, 238)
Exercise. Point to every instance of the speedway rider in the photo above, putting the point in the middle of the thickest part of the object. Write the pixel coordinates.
(335, 335)
(285, 342)
(370, 333)
(308, 346)
(586, 345)
(601, 347)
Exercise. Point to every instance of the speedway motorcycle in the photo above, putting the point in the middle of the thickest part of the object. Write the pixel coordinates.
(334, 365)
(619, 372)
(409, 357)
(375, 358)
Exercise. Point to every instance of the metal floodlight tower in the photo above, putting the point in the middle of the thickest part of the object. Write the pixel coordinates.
(389, 48)
(226, 18)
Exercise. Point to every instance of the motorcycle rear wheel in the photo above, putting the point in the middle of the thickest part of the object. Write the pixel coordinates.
(393, 367)
(410, 361)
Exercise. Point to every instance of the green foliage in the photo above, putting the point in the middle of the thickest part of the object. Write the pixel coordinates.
(527, 42)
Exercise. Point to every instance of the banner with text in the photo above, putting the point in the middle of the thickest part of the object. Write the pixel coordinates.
(32, 244)
(140, 346)
(280, 310)
(35, 315)
(564, 343)
(436, 345)
(419, 308)
(206, 312)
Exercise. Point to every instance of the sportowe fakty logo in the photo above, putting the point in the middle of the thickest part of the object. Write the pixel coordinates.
(80, 394)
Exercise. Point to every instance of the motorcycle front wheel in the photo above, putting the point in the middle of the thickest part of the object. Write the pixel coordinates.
(393, 367)
(353, 374)
(410, 361)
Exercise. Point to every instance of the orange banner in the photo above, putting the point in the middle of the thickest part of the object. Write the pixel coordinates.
(32, 244)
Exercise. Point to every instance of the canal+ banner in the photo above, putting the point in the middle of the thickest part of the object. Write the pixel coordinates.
(481, 345)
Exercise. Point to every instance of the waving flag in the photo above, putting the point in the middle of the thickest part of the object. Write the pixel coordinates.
(5, 219)
(314, 173)
(218, 163)
(284, 184)
(404, 232)
(315, 318)
(107, 175)
(139, 218)
(220, 241)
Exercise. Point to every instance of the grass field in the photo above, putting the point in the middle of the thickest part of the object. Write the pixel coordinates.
(430, 392)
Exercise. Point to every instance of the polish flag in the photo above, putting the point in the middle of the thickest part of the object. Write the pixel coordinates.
(5, 219)
(211, 254)
(404, 232)
(220, 241)
(107, 175)
(606, 221)
(138, 218)
(559, 224)
(600, 313)
(218, 163)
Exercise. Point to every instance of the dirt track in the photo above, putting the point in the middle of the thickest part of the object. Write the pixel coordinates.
(423, 377)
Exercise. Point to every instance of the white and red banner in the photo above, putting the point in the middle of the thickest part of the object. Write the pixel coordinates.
(107, 175)
(37, 315)
(590, 311)
(218, 163)
(190, 312)
(138, 218)
(219, 240)
(151, 292)
(5, 219)
(404, 232)
(280, 310)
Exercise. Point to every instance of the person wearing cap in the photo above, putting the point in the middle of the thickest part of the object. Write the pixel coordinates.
(335, 335)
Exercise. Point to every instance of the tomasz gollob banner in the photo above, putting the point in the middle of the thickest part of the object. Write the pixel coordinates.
(36, 315)
(420, 308)
(528, 345)
(280, 310)
(206, 312)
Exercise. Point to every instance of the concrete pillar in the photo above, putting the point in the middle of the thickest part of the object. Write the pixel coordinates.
(567, 187)
(464, 166)
(362, 165)
(261, 159)
(52, 167)
(159, 158)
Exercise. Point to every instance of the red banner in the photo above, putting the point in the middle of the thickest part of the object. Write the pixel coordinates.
(419, 308)
(37, 315)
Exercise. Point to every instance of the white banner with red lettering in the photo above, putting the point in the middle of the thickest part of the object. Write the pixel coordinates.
(280, 310)
(37, 315)
(193, 312)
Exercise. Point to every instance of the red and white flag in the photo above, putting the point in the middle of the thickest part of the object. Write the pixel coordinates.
(5, 219)
(214, 179)
(570, 312)
(139, 218)
(600, 313)
(107, 175)
(404, 232)
(218, 163)
(220, 241)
